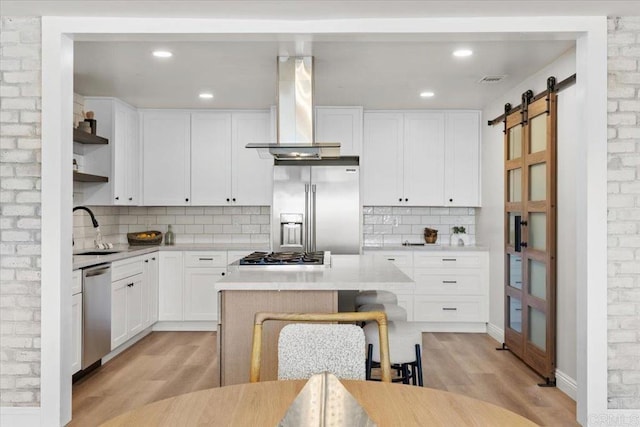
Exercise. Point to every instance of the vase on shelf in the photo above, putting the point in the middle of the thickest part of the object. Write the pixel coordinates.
(169, 237)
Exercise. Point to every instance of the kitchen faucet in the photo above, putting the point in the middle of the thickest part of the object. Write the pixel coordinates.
(98, 240)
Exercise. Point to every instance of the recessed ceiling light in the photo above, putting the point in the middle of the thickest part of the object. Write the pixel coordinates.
(162, 54)
(206, 95)
(462, 53)
(426, 94)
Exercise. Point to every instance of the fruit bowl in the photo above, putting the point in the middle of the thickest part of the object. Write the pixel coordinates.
(145, 238)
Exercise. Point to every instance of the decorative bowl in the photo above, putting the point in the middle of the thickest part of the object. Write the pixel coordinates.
(145, 238)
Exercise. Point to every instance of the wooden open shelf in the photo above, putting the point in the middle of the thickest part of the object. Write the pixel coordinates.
(87, 177)
(88, 138)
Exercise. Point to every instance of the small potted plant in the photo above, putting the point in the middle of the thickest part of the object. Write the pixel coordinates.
(459, 236)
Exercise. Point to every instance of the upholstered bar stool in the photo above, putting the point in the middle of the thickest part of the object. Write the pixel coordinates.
(404, 347)
(376, 297)
(393, 311)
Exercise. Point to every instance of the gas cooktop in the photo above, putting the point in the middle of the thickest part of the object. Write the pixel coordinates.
(284, 259)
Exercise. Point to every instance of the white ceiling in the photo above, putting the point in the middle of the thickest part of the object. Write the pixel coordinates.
(372, 71)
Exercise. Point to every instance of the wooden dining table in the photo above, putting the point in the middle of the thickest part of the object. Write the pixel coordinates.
(265, 404)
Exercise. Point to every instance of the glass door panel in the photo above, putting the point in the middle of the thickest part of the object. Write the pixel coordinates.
(515, 314)
(538, 126)
(537, 279)
(515, 185)
(538, 182)
(515, 143)
(538, 328)
(538, 230)
(515, 271)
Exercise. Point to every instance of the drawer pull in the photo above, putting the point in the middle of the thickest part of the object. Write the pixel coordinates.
(449, 309)
(391, 259)
(449, 259)
(450, 281)
(205, 259)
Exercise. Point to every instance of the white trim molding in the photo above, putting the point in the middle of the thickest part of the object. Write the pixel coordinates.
(495, 332)
(20, 416)
(57, 94)
(566, 384)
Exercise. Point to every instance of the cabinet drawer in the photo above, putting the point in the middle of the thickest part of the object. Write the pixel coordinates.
(438, 309)
(400, 259)
(126, 268)
(447, 260)
(440, 282)
(205, 259)
(76, 282)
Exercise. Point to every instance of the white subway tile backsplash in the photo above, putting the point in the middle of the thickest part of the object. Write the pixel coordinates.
(222, 219)
(397, 225)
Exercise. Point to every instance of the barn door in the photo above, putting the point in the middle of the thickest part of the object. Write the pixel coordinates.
(530, 233)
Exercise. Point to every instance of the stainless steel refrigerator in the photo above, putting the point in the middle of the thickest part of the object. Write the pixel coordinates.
(316, 206)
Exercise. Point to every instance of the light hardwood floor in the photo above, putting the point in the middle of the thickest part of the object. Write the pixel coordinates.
(166, 364)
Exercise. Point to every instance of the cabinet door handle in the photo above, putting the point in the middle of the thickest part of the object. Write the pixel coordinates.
(146, 260)
(449, 309)
(234, 199)
(450, 281)
(130, 198)
(451, 200)
(391, 259)
(205, 259)
(406, 200)
(154, 258)
(186, 199)
(130, 285)
(400, 199)
(228, 200)
(117, 198)
(449, 259)
(223, 273)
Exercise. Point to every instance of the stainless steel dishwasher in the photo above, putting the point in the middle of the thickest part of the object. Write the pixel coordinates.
(96, 313)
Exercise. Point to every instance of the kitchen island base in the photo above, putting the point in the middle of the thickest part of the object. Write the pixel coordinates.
(235, 332)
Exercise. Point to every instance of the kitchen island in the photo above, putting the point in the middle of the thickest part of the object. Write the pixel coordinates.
(246, 291)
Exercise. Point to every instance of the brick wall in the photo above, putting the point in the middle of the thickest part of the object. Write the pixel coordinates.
(624, 212)
(20, 211)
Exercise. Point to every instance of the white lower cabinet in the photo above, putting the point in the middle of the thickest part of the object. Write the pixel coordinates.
(187, 281)
(133, 297)
(451, 289)
(76, 321)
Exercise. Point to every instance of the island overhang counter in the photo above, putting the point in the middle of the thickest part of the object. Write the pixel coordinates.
(245, 291)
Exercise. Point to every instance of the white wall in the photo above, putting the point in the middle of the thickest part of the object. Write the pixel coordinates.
(489, 219)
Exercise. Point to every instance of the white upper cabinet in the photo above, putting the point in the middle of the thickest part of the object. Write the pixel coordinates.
(210, 158)
(340, 124)
(166, 159)
(423, 154)
(421, 158)
(403, 155)
(382, 159)
(119, 122)
(252, 176)
(462, 159)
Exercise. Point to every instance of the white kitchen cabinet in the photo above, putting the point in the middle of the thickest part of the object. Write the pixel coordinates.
(170, 285)
(223, 171)
(340, 124)
(462, 159)
(150, 289)
(202, 271)
(118, 122)
(252, 176)
(118, 312)
(76, 321)
(211, 158)
(403, 159)
(129, 299)
(166, 159)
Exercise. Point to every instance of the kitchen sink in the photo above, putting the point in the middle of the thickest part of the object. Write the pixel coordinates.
(98, 252)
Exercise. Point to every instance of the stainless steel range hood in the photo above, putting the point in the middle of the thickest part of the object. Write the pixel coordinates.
(295, 138)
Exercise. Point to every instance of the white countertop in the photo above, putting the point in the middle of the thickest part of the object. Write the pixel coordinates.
(347, 272)
(126, 251)
(426, 247)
